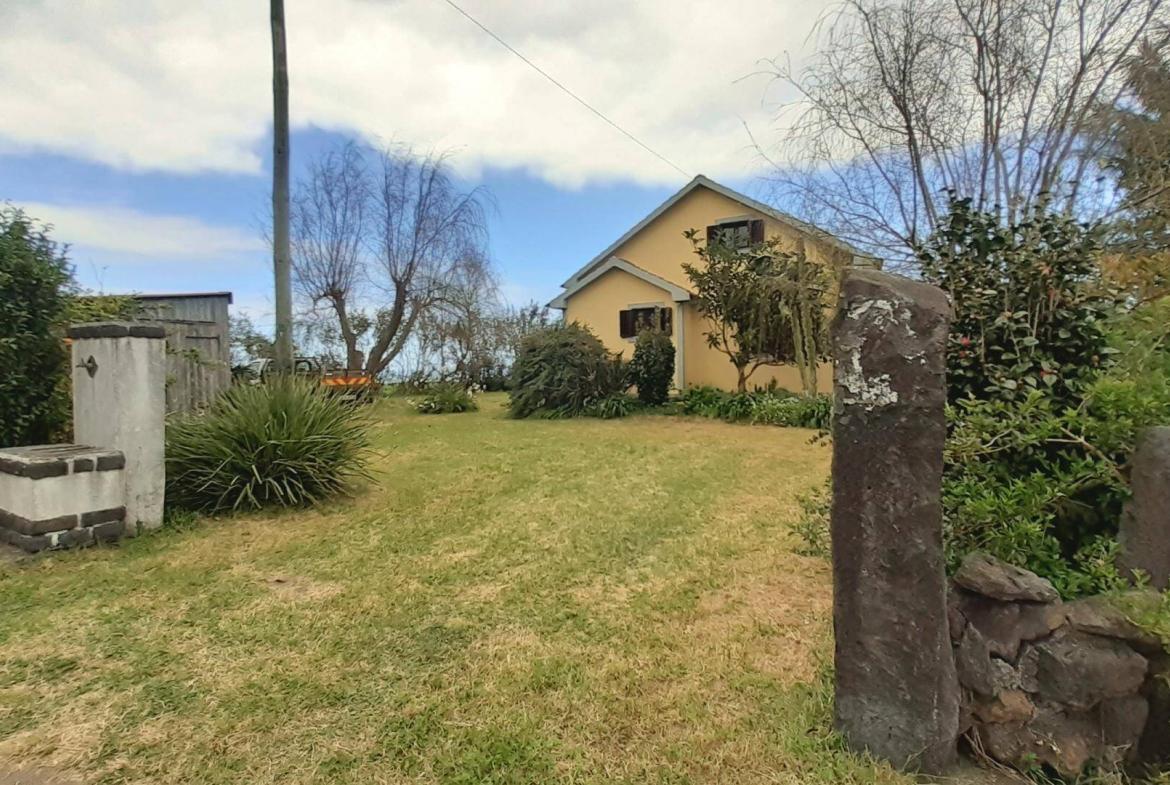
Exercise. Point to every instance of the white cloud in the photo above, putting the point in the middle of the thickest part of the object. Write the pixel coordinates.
(155, 84)
(121, 230)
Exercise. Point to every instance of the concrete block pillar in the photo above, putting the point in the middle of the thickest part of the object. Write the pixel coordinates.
(896, 692)
(119, 401)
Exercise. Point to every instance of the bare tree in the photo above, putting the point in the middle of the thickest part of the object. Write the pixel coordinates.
(382, 238)
(329, 221)
(991, 99)
(424, 233)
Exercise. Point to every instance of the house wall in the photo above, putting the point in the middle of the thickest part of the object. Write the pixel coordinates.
(661, 248)
(707, 366)
(598, 304)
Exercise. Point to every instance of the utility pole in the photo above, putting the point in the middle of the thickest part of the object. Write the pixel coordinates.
(281, 255)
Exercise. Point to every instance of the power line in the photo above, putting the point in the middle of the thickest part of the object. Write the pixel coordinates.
(569, 92)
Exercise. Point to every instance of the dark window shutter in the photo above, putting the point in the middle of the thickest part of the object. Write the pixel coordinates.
(712, 235)
(626, 323)
(757, 230)
(666, 320)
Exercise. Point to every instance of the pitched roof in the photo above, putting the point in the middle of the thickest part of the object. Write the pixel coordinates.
(677, 293)
(573, 282)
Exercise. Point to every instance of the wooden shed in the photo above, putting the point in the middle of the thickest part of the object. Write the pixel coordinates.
(198, 353)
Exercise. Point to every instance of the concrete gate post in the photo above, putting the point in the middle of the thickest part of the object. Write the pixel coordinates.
(897, 696)
(1145, 523)
(119, 401)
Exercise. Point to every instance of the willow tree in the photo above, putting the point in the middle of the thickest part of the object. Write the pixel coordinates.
(766, 306)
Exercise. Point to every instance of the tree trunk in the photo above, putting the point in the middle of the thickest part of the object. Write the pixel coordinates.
(281, 254)
(741, 382)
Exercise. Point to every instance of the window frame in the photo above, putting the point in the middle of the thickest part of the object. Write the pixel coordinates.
(664, 313)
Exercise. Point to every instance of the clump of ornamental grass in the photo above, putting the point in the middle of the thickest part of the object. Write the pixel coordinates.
(285, 443)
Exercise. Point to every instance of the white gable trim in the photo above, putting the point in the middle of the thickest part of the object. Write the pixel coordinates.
(677, 293)
(747, 201)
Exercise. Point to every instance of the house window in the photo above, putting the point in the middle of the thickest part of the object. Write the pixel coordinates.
(736, 234)
(633, 321)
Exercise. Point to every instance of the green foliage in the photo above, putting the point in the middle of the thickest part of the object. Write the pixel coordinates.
(1149, 610)
(1140, 132)
(81, 308)
(652, 368)
(563, 371)
(1029, 305)
(768, 306)
(1042, 486)
(1049, 385)
(612, 406)
(760, 407)
(812, 528)
(446, 399)
(34, 280)
(285, 443)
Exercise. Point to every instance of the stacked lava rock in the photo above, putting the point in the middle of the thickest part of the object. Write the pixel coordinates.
(1065, 685)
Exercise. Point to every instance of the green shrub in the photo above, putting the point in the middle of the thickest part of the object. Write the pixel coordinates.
(771, 406)
(792, 411)
(703, 400)
(284, 443)
(812, 528)
(612, 407)
(34, 279)
(1042, 486)
(446, 399)
(1029, 305)
(652, 368)
(563, 371)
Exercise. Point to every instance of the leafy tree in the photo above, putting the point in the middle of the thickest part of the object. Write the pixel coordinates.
(1029, 305)
(246, 342)
(652, 367)
(767, 306)
(34, 277)
(1140, 158)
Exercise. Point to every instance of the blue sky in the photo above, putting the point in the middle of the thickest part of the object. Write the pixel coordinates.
(540, 233)
(143, 133)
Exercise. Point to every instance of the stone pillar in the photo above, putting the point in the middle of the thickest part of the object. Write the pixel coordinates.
(119, 401)
(1145, 523)
(897, 696)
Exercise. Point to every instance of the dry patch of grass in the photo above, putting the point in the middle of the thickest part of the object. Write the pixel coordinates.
(510, 602)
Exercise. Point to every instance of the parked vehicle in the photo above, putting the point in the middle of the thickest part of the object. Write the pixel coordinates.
(355, 385)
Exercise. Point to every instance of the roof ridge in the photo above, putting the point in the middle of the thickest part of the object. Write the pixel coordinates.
(747, 201)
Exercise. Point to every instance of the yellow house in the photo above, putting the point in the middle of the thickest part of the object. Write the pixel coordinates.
(639, 278)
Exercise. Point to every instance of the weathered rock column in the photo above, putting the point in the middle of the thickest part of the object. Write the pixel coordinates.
(897, 696)
(119, 401)
(1145, 524)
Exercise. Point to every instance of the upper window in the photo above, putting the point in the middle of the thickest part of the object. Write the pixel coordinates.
(736, 234)
(635, 320)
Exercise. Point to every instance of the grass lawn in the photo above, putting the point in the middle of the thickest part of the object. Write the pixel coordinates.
(510, 602)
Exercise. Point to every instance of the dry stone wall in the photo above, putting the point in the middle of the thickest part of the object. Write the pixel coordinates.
(1060, 684)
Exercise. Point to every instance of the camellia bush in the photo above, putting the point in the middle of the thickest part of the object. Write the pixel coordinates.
(564, 371)
(652, 368)
(284, 443)
(1050, 379)
(1030, 305)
